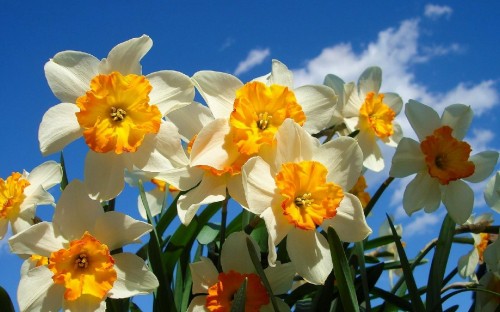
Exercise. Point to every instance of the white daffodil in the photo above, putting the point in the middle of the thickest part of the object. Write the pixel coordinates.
(304, 185)
(487, 302)
(372, 113)
(218, 289)
(118, 111)
(21, 193)
(80, 272)
(468, 263)
(385, 230)
(492, 192)
(441, 161)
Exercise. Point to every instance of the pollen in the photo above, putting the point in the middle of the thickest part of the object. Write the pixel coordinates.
(115, 113)
(307, 198)
(12, 195)
(447, 158)
(376, 116)
(258, 112)
(481, 247)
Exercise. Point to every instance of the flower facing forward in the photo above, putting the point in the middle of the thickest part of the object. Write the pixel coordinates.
(81, 271)
(218, 289)
(20, 193)
(441, 161)
(302, 186)
(118, 111)
(373, 113)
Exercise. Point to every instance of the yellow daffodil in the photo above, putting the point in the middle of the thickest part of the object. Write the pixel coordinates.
(20, 193)
(82, 270)
(302, 186)
(218, 289)
(441, 161)
(118, 111)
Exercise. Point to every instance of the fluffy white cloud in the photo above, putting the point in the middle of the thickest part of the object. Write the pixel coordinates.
(255, 57)
(480, 140)
(423, 223)
(434, 11)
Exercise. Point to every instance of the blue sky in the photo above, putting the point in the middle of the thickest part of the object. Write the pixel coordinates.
(439, 53)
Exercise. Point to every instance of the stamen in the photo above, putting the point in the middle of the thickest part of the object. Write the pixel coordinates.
(263, 121)
(304, 200)
(118, 114)
(81, 261)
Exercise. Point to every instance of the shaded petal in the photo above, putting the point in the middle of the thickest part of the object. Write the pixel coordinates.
(235, 255)
(125, 57)
(183, 178)
(484, 163)
(372, 155)
(458, 117)
(467, 264)
(277, 227)
(282, 306)
(22, 222)
(219, 91)
(133, 277)
(204, 274)
(155, 199)
(85, 303)
(116, 229)
(423, 119)
(213, 146)
(39, 239)
(69, 74)
(422, 192)
(396, 136)
(198, 304)
(492, 256)
(318, 103)
(310, 255)
(171, 90)
(37, 196)
(4, 225)
(408, 159)
(294, 143)
(190, 119)
(47, 175)
(236, 190)
(37, 291)
(458, 198)
(370, 80)
(280, 75)
(58, 128)
(349, 222)
(258, 184)
(492, 192)
(280, 277)
(394, 101)
(104, 175)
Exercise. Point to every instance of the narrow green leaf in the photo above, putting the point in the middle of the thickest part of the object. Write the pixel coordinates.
(301, 292)
(64, 180)
(169, 215)
(342, 272)
(438, 265)
(188, 284)
(178, 288)
(364, 277)
(379, 242)
(240, 298)
(5, 301)
(400, 303)
(416, 301)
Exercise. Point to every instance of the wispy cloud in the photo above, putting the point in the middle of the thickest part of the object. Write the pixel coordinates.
(226, 44)
(255, 57)
(434, 11)
(422, 223)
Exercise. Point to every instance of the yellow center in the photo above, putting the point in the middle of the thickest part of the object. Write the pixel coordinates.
(447, 158)
(481, 247)
(116, 114)
(376, 116)
(85, 268)
(221, 295)
(258, 112)
(358, 190)
(308, 197)
(12, 195)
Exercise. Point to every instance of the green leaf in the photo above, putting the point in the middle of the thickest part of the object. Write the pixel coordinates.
(301, 292)
(208, 233)
(240, 298)
(5, 301)
(64, 180)
(416, 301)
(379, 242)
(342, 272)
(438, 265)
(401, 303)
(364, 277)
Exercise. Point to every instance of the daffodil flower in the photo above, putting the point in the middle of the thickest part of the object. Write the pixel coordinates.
(492, 192)
(373, 113)
(302, 186)
(441, 161)
(20, 193)
(217, 289)
(118, 111)
(81, 271)
(491, 280)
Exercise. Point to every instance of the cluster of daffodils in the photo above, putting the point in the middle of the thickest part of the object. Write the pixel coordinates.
(290, 159)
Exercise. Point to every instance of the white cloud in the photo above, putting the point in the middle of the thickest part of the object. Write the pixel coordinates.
(423, 223)
(255, 57)
(480, 140)
(434, 11)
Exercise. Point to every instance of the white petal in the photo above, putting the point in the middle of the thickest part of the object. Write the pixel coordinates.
(484, 163)
(422, 192)
(85, 303)
(183, 178)
(280, 277)
(219, 91)
(492, 256)
(373, 159)
(282, 306)
(204, 274)
(408, 159)
(294, 143)
(190, 119)
(343, 159)
(125, 57)
(423, 119)
(133, 277)
(280, 75)
(310, 254)
(394, 101)
(76, 212)
(467, 264)
(258, 184)
(394, 139)
(458, 117)
(349, 222)
(37, 196)
(277, 227)
(58, 128)
(4, 225)
(318, 103)
(47, 175)
(214, 146)
(171, 90)
(236, 191)
(37, 240)
(212, 189)
(370, 80)
(104, 175)
(458, 198)
(37, 291)
(69, 74)
(198, 304)
(22, 222)
(235, 255)
(492, 192)
(116, 229)
(155, 199)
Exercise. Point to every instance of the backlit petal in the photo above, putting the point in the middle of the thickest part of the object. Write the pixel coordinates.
(171, 90)
(422, 192)
(259, 185)
(204, 274)
(47, 175)
(125, 57)
(370, 80)
(423, 119)
(458, 198)
(116, 229)
(58, 128)
(37, 291)
(104, 174)
(37, 240)
(318, 103)
(458, 117)
(133, 277)
(190, 119)
(408, 159)
(484, 163)
(280, 277)
(235, 255)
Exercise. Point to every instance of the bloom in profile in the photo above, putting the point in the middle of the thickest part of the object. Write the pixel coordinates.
(492, 192)
(491, 280)
(441, 161)
(80, 270)
(118, 111)
(20, 193)
(364, 108)
(302, 185)
(218, 289)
